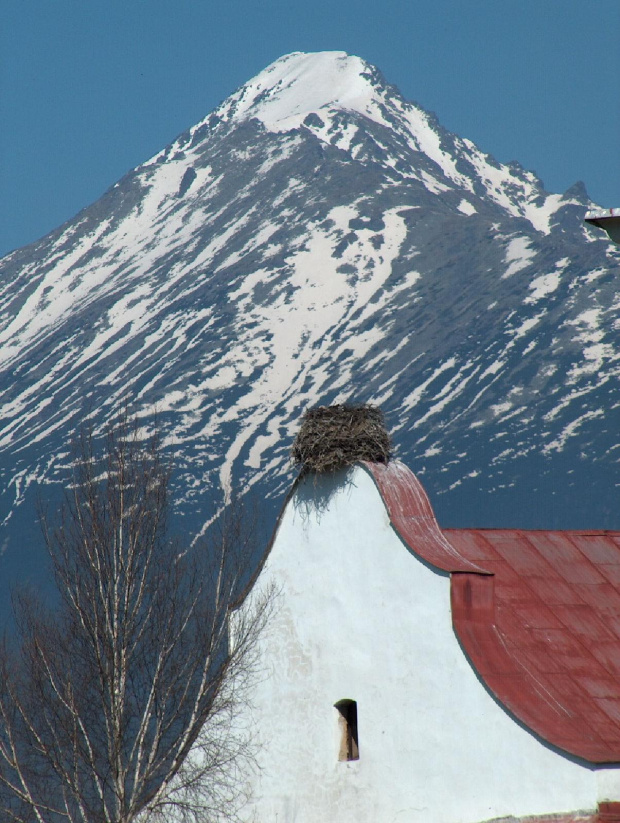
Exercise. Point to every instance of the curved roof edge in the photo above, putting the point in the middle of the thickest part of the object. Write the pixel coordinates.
(413, 519)
(411, 516)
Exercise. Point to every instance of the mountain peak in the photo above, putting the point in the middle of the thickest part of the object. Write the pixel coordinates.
(351, 250)
(301, 83)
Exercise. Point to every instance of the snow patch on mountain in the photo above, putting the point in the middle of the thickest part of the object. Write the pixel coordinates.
(519, 255)
(320, 303)
(466, 207)
(543, 286)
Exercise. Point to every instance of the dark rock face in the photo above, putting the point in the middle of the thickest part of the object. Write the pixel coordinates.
(302, 247)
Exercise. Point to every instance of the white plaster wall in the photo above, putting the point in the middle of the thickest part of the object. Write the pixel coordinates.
(608, 780)
(360, 617)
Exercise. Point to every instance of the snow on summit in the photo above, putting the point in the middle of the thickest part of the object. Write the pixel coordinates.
(299, 84)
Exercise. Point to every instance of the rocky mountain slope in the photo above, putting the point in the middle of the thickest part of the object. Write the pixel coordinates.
(318, 239)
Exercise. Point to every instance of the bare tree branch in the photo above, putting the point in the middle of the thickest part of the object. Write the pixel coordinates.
(122, 704)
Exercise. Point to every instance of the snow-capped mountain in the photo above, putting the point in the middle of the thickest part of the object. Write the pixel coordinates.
(317, 239)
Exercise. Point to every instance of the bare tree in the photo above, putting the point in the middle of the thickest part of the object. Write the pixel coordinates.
(122, 704)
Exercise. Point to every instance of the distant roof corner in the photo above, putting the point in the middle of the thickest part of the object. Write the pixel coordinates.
(607, 219)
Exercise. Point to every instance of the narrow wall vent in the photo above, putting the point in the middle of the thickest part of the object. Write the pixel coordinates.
(347, 721)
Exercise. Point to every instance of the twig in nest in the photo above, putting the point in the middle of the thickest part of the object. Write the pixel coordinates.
(332, 437)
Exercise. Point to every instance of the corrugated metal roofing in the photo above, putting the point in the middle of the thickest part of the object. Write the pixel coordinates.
(537, 612)
(548, 647)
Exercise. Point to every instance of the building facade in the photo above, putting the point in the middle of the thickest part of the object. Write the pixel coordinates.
(413, 675)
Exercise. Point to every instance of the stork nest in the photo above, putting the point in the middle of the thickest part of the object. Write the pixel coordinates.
(332, 437)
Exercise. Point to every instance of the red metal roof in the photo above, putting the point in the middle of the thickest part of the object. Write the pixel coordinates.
(537, 613)
(544, 631)
(412, 516)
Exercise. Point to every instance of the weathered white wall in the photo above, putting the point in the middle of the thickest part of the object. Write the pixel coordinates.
(360, 617)
(608, 780)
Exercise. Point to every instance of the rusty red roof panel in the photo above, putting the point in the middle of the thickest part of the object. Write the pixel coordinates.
(550, 648)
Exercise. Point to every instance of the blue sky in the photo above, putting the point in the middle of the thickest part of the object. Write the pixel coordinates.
(91, 88)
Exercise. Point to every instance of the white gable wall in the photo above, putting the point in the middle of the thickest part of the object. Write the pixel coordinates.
(360, 617)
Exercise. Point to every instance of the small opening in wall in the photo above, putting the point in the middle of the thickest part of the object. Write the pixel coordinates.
(347, 720)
